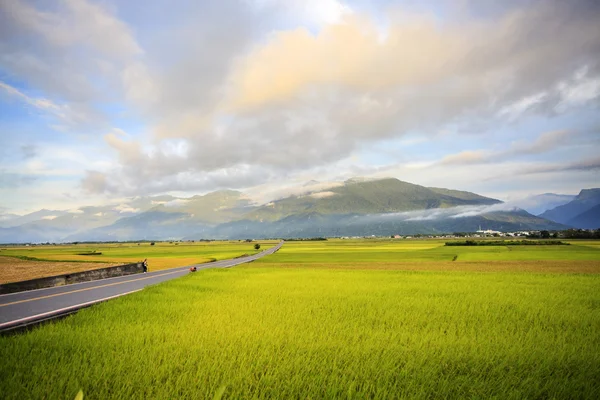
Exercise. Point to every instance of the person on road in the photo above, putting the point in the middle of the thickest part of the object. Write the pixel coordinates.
(145, 265)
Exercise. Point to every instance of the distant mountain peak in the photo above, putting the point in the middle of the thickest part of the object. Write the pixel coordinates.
(574, 212)
(358, 206)
(589, 193)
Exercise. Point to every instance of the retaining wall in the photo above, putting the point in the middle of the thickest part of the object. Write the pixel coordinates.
(76, 277)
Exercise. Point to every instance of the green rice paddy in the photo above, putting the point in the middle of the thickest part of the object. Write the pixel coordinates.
(161, 255)
(335, 319)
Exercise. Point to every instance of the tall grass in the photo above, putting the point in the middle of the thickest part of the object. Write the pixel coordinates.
(268, 332)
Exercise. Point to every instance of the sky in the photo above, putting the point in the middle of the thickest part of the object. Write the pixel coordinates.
(105, 100)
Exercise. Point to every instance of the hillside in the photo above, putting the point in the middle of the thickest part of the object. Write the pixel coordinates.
(589, 219)
(466, 196)
(585, 200)
(368, 197)
(315, 224)
(358, 207)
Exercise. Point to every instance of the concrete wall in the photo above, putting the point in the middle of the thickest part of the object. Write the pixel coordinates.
(75, 277)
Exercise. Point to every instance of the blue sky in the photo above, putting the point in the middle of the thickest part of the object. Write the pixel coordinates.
(103, 100)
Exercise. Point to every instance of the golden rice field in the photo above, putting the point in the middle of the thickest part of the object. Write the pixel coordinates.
(22, 263)
(336, 319)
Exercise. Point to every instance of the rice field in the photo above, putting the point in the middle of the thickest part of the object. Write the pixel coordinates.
(285, 327)
(22, 263)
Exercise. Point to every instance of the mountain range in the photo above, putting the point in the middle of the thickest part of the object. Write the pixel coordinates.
(582, 212)
(540, 203)
(356, 207)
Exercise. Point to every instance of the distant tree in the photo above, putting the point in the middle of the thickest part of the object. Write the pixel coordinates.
(392, 236)
(152, 244)
(544, 234)
(257, 246)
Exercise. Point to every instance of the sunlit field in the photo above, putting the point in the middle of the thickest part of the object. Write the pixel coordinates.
(579, 256)
(39, 261)
(335, 319)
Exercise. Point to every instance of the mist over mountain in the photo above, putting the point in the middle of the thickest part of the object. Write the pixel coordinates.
(359, 196)
(357, 207)
(540, 203)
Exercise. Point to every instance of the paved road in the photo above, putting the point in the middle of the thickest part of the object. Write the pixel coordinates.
(33, 306)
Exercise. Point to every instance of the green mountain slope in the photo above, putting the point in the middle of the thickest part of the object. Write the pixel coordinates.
(356, 208)
(467, 196)
(368, 197)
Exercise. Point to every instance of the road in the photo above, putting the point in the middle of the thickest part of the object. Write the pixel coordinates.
(34, 306)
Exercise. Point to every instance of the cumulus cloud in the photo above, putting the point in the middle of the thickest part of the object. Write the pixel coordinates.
(70, 50)
(228, 102)
(304, 98)
(95, 182)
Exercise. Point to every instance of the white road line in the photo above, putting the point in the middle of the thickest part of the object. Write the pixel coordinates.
(160, 273)
(214, 263)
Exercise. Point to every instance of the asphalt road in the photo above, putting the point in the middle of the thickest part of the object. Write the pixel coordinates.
(33, 306)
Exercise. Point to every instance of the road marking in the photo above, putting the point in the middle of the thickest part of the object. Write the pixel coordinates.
(204, 266)
(60, 310)
(91, 282)
(175, 270)
(83, 290)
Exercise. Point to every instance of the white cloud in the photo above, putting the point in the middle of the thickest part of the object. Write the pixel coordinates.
(515, 110)
(441, 213)
(176, 203)
(73, 52)
(301, 99)
(322, 195)
(313, 12)
(124, 208)
(578, 91)
(231, 96)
